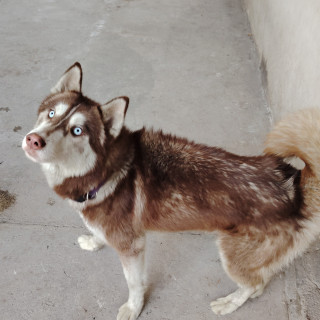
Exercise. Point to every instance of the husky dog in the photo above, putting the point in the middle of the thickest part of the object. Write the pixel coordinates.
(125, 183)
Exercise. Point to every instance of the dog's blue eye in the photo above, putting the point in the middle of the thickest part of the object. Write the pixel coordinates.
(51, 114)
(77, 131)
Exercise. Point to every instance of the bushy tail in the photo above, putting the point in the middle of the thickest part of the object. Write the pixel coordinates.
(298, 135)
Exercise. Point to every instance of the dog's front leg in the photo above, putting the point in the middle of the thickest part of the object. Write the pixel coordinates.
(134, 271)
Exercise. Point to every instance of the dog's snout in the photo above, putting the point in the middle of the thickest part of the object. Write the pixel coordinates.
(35, 142)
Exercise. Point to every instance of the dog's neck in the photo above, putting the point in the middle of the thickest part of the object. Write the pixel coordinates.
(116, 161)
(92, 194)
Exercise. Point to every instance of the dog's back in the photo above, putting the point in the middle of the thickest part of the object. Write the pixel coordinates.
(193, 186)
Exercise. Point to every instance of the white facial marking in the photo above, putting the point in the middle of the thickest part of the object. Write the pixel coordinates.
(78, 119)
(42, 123)
(60, 109)
(68, 163)
(43, 120)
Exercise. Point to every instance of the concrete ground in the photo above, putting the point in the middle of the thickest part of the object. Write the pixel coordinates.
(190, 68)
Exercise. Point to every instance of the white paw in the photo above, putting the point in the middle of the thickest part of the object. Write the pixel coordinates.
(90, 243)
(233, 301)
(127, 313)
(223, 306)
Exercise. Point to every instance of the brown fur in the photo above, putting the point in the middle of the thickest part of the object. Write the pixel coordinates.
(263, 208)
(187, 186)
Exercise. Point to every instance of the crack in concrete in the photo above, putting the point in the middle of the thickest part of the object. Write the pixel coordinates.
(314, 283)
(40, 225)
(307, 273)
(294, 301)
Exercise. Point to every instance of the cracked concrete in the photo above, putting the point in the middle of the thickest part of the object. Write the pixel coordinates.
(189, 68)
(302, 286)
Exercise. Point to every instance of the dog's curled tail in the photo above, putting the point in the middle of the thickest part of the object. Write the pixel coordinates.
(298, 135)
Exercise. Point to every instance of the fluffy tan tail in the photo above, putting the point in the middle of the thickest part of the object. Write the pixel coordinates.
(298, 136)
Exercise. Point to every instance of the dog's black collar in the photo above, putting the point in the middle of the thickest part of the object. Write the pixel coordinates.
(92, 194)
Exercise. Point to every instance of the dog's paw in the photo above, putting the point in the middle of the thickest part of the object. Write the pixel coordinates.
(234, 300)
(89, 243)
(223, 306)
(127, 313)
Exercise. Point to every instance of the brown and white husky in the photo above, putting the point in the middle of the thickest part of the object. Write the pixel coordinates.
(125, 183)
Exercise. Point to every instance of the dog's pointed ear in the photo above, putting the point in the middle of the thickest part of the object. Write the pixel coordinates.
(113, 113)
(70, 81)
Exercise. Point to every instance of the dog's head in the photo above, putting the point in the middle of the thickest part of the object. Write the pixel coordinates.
(72, 131)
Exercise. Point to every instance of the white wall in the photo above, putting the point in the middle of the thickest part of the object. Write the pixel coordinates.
(287, 34)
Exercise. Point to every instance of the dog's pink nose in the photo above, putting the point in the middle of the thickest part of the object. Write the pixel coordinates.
(35, 142)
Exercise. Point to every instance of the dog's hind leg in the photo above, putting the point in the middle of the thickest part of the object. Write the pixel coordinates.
(244, 263)
(134, 271)
(90, 243)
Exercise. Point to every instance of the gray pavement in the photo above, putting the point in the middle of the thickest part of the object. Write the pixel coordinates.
(190, 68)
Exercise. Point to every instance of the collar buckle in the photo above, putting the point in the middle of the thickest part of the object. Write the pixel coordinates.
(91, 195)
